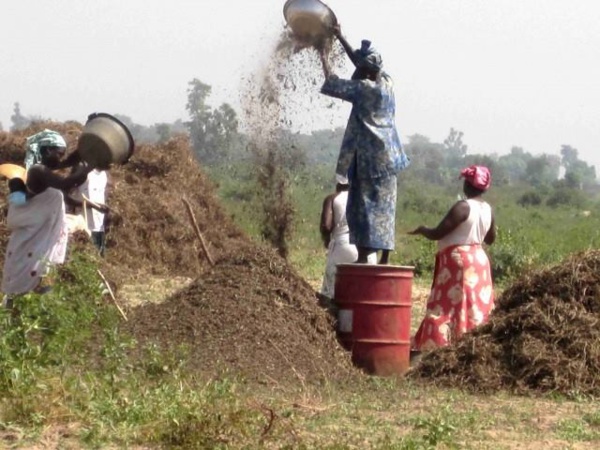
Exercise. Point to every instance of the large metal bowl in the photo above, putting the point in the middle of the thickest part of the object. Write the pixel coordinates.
(309, 20)
(105, 140)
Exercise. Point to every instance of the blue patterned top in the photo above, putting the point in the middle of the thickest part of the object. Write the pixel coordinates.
(371, 137)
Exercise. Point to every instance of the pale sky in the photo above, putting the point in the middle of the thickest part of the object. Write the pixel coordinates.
(505, 72)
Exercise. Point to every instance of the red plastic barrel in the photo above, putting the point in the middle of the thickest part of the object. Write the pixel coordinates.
(379, 300)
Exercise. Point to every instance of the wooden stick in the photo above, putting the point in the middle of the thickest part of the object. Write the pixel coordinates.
(197, 230)
(85, 211)
(112, 295)
(93, 204)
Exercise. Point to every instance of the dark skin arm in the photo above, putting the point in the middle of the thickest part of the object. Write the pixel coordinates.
(73, 202)
(457, 215)
(39, 178)
(490, 237)
(70, 161)
(337, 31)
(326, 226)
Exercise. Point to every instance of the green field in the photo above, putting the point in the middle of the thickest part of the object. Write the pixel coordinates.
(528, 237)
(54, 397)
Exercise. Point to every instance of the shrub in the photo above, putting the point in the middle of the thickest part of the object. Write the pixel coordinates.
(511, 254)
(564, 196)
(531, 198)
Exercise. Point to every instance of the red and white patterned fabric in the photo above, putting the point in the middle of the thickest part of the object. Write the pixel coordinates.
(461, 297)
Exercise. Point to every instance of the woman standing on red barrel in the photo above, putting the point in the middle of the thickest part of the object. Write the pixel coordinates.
(371, 154)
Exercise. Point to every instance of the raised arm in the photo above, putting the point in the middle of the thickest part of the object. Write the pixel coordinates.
(337, 31)
(39, 178)
(70, 161)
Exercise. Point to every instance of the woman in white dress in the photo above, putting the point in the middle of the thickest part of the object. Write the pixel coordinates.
(38, 229)
(336, 236)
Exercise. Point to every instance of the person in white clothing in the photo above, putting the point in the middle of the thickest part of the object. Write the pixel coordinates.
(94, 210)
(336, 236)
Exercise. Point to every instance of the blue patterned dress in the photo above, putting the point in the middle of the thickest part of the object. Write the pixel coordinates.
(371, 156)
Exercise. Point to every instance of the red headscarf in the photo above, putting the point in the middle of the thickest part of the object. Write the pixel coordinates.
(478, 176)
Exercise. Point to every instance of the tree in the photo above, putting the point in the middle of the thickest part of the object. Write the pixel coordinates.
(164, 131)
(514, 165)
(212, 132)
(454, 149)
(426, 160)
(569, 156)
(198, 93)
(542, 170)
(573, 180)
(577, 173)
(19, 121)
(224, 128)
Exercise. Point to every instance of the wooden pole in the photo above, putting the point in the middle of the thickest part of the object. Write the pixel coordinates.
(112, 295)
(85, 213)
(197, 230)
(93, 204)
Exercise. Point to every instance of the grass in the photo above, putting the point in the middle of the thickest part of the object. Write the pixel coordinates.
(528, 237)
(373, 414)
(67, 379)
(112, 401)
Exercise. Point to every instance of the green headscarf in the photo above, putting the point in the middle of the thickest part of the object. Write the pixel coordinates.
(34, 144)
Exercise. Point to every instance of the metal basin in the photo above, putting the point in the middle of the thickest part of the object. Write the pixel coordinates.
(309, 20)
(104, 141)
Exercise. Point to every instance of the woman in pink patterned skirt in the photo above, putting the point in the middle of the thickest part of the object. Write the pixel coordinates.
(462, 295)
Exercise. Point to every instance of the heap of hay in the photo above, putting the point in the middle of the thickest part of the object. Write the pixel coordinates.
(150, 230)
(543, 336)
(250, 313)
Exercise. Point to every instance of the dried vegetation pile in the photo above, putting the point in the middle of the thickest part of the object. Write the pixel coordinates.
(250, 312)
(543, 336)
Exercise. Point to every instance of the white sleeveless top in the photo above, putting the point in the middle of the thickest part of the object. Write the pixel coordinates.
(472, 230)
(340, 225)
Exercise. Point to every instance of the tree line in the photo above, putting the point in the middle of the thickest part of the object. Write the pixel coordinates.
(216, 140)
(214, 132)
